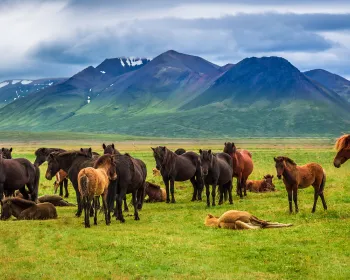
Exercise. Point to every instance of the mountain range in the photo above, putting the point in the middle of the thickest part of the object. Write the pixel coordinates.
(180, 95)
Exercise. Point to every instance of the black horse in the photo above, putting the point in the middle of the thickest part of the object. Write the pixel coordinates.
(217, 170)
(41, 156)
(180, 151)
(6, 153)
(181, 168)
(131, 179)
(72, 163)
(17, 173)
(110, 149)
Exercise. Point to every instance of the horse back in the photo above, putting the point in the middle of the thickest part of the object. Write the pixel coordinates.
(246, 162)
(17, 171)
(309, 174)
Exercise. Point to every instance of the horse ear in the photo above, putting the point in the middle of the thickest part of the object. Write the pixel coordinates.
(153, 149)
(104, 146)
(210, 216)
(3, 149)
(163, 148)
(11, 149)
(275, 159)
(200, 151)
(271, 176)
(209, 151)
(264, 177)
(90, 150)
(113, 146)
(233, 145)
(81, 149)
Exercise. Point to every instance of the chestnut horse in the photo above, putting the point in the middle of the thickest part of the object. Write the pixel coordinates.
(295, 177)
(343, 150)
(93, 182)
(242, 165)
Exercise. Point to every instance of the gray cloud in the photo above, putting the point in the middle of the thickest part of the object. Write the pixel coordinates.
(87, 32)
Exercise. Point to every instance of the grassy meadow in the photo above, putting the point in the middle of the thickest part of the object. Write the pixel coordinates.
(171, 242)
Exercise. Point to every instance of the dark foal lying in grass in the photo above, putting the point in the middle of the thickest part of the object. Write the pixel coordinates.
(24, 209)
(155, 193)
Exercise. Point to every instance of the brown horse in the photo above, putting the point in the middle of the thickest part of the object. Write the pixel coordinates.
(295, 177)
(343, 150)
(242, 166)
(93, 182)
(264, 185)
(24, 209)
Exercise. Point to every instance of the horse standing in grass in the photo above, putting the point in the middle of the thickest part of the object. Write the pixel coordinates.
(41, 156)
(110, 149)
(342, 146)
(17, 173)
(131, 178)
(94, 182)
(181, 168)
(295, 177)
(6, 153)
(217, 170)
(71, 163)
(242, 165)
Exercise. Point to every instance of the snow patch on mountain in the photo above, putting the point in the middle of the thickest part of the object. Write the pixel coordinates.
(3, 84)
(26, 82)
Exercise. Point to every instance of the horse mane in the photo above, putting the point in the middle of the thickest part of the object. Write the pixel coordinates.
(23, 203)
(69, 153)
(102, 160)
(287, 159)
(341, 142)
(153, 185)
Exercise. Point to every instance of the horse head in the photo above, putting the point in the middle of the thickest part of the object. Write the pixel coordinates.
(159, 154)
(6, 212)
(268, 179)
(206, 157)
(53, 166)
(280, 166)
(343, 147)
(6, 153)
(230, 148)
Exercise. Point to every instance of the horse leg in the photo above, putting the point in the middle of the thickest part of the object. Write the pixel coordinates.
(244, 185)
(88, 207)
(65, 182)
(94, 202)
(104, 201)
(1, 191)
(61, 189)
(194, 184)
(172, 182)
(239, 187)
(315, 200)
(221, 192)
(134, 202)
(119, 202)
(323, 201)
(213, 193)
(78, 214)
(230, 192)
(166, 183)
(290, 200)
(92, 208)
(207, 191)
(295, 198)
(199, 185)
(126, 208)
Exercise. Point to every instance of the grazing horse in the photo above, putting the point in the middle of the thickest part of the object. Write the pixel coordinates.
(217, 170)
(41, 156)
(71, 163)
(93, 182)
(181, 168)
(234, 219)
(343, 150)
(131, 178)
(6, 153)
(295, 177)
(110, 149)
(242, 165)
(264, 185)
(24, 209)
(17, 173)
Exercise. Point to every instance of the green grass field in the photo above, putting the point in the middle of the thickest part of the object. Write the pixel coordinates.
(171, 241)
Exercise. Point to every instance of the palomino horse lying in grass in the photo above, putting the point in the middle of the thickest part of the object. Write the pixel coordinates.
(93, 182)
(343, 150)
(24, 209)
(295, 177)
(234, 219)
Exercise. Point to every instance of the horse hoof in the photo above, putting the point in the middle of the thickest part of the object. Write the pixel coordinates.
(168, 201)
(213, 204)
(77, 215)
(208, 205)
(173, 201)
(137, 218)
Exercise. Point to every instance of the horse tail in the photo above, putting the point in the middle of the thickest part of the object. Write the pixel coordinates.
(84, 185)
(36, 183)
(323, 183)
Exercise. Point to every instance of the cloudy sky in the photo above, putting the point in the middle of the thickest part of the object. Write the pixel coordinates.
(60, 38)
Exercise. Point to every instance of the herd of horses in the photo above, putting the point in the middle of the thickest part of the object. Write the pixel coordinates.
(113, 175)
